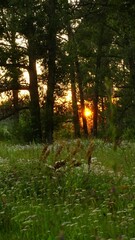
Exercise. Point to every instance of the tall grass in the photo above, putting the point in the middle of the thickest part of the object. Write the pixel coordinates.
(52, 195)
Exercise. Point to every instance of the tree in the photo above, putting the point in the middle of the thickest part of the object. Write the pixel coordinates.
(97, 58)
(51, 46)
(25, 19)
(73, 82)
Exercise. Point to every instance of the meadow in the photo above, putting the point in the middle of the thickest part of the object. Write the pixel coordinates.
(50, 192)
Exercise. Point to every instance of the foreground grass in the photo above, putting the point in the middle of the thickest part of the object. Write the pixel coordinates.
(38, 202)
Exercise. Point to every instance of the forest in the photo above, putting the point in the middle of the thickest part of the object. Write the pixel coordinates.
(49, 49)
(67, 125)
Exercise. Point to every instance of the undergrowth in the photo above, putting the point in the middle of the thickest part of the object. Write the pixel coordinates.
(70, 190)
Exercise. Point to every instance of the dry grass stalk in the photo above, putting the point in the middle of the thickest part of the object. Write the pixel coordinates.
(58, 151)
(70, 159)
(78, 142)
(71, 152)
(76, 149)
(45, 152)
(59, 164)
(61, 236)
(89, 154)
(75, 163)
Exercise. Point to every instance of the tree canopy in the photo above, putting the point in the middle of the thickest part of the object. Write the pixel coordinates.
(87, 47)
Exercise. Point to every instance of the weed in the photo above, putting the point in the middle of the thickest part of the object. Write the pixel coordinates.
(50, 194)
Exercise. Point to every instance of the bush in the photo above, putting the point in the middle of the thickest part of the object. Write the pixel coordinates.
(17, 131)
(4, 133)
(129, 134)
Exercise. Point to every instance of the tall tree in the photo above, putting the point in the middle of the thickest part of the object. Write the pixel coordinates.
(34, 96)
(94, 49)
(74, 68)
(51, 46)
(80, 85)
(73, 82)
(30, 26)
(23, 17)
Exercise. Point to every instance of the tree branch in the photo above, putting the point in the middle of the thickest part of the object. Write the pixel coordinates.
(11, 88)
(9, 65)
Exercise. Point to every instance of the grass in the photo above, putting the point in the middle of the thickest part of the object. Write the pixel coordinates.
(42, 199)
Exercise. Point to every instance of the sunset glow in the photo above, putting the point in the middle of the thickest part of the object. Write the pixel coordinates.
(87, 112)
(68, 96)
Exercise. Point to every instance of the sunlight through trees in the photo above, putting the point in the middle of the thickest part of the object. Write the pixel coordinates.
(57, 56)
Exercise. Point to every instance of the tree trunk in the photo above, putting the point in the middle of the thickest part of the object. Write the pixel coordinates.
(132, 70)
(16, 105)
(74, 102)
(79, 78)
(95, 113)
(15, 76)
(49, 108)
(76, 121)
(34, 96)
(102, 116)
(97, 82)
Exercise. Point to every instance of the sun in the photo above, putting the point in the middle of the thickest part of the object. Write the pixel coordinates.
(87, 112)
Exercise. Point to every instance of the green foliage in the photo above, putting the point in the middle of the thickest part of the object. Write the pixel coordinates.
(23, 130)
(65, 131)
(5, 131)
(16, 131)
(104, 44)
(129, 134)
(37, 202)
